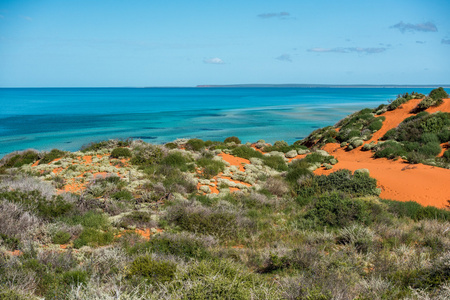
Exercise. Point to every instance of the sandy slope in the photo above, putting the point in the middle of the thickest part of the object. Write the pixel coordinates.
(398, 180)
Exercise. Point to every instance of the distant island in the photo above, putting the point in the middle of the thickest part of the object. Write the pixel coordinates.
(294, 85)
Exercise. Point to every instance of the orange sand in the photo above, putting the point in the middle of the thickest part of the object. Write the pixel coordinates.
(398, 180)
(146, 232)
(235, 161)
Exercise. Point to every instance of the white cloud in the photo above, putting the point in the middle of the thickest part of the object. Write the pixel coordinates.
(284, 57)
(214, 61)
(27, 18)
(281, 15)
(425, 27)
(348, 50)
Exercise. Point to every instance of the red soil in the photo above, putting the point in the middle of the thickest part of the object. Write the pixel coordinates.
(146, 232)
(398, 180)
(235, 161)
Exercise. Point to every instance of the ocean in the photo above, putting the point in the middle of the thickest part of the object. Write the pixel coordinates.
(67, 118)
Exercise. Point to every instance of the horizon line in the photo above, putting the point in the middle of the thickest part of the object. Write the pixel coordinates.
(244, 85)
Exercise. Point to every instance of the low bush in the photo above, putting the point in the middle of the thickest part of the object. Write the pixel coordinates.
(336, 210)
(51, 156)
(275, 162)
(17, 160)
(93, 237)
(390, 149)
(34, 201)
(122, 195)
(137, 219)
(358, 184)
(297, 170)
(177, 160)
(95, 146)
(319, 137)
(415, 211)
(396, 103)
(438, 93)
(375, 125)
(152, 270)
(246, 152)
(120, 152)
(446, 155)
(219, 222)
(91, 219)
(232, 139)
(75, 277)
(427, 102)
(182, 245)
(210, 167)
(9, 241)
(146, 154)
(61, 237)
(195, 144)
(430, 149)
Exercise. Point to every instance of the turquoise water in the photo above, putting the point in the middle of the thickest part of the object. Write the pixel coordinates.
(68, 118)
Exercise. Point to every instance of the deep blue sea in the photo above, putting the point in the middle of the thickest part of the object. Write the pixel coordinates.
(67, 118)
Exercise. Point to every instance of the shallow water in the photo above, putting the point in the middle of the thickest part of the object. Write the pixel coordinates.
(68, 118)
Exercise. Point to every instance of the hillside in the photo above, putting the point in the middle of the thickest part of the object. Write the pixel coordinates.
(197, 219)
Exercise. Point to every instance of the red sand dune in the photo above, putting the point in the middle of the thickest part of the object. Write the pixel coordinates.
(398, 180)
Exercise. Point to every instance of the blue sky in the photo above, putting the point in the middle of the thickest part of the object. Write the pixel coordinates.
(50, 43)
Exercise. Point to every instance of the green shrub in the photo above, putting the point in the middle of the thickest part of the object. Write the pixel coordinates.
(297, 170)
(154, 271)
(446, 155)
(390, 149)
(91, 219)
(195, 144)
(7, 294)
(122, 195)
(20, 159)
(171, 146)
(136, 218)
(415, 211)
(48, 209)
(438, 93)
(338, 211)
(61, 237)
(75, 277)
(246, 152)
(429, 137)
(184, 246)
(444, 135)
(280, 146)
(93, 237)
(358, 184)
(210, 167)
(120, 152)
(435, 123)
(427, 102)
(51, 156)
(375, 125)
(275, 162)
(218, 222)
(11, 242)
(319, 137)
(396, 103)
(177, 160)
(431, 149)
(232, 139)
(146, 155)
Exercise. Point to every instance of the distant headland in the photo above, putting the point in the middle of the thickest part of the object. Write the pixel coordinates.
(293, 85)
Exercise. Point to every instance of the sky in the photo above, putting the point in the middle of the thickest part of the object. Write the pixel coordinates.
(95, 43)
